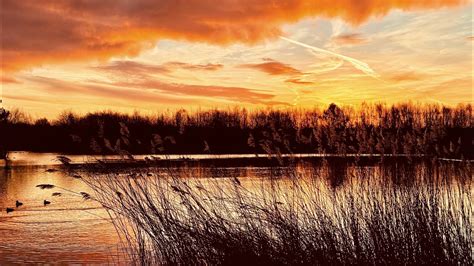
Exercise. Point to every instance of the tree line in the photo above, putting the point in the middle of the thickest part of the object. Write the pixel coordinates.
(432, 130)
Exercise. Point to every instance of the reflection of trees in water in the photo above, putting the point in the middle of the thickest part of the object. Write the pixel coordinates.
(339, 172)
(397, 172)
(400, 172)
(198, 171)
(4, 177)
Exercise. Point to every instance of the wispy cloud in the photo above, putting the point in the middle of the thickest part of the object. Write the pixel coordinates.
(134, 68)
(138, 68)
(299, 81)
(5, 79)
(237, 94)
(349, 39)
(406, 76)
(273, 67)
(187, 66)
(154, 91)
(106, 91)
(143, 76)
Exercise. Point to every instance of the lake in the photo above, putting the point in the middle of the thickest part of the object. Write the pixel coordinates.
(74, 230)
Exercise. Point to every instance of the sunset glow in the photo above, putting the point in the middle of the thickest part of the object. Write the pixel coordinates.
(151, 56)
(236, 132)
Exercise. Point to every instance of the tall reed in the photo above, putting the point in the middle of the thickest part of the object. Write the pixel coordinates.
(409, 215)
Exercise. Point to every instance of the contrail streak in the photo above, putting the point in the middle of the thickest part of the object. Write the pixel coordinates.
(364, 67)
(356, 63)
(324, 70)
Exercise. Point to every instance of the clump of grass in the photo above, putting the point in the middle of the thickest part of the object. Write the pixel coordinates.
(299, 220)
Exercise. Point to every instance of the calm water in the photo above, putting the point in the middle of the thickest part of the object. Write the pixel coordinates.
(72, 230)
(68, 230)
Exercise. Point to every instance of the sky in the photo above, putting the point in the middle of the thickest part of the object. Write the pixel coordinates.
(152, 56)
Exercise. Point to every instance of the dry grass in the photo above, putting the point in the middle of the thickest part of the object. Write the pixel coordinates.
(389, 216)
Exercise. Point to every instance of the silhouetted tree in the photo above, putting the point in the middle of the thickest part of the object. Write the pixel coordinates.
(4, 115)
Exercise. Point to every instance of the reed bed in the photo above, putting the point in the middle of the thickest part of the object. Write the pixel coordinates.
(418, 216)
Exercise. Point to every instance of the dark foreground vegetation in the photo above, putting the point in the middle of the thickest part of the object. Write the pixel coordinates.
(399, 214)
(373, 129)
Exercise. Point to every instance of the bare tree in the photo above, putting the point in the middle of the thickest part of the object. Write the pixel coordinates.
(4, 115)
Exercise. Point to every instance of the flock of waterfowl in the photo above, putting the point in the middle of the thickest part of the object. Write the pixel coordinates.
(45, 202)
(18, 204)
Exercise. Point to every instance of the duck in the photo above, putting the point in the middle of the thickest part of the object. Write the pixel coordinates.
(18, 203)
(10, 210)
(46, 202)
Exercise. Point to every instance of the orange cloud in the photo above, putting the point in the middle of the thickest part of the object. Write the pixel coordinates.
(134, 68)
(207, 67)
(274, 68)
(349, 39)
(8, 80)
(53, 31)
(237, 94)
(104, 91)
(407, 76)
(299, 81)
(145, 80)
(154, 91)
(142, 70)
